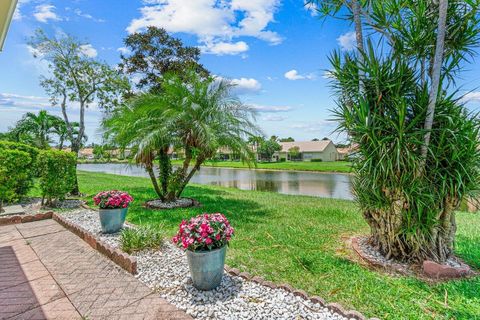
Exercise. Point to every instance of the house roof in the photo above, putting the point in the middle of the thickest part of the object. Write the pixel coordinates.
(7, 8)
(306, 146)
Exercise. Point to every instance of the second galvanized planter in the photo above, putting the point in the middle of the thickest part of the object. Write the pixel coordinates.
(206, 267)
(112, 219)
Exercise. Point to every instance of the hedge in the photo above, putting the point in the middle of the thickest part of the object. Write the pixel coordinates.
(57, 170)
(32, 151)
(15, 174)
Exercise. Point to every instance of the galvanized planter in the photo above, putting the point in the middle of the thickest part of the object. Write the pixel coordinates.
(206, 267)
(112, 219)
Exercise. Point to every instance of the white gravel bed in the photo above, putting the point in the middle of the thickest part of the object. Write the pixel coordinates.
(166, 272)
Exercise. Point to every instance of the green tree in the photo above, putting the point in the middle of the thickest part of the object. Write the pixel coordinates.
(77, 78)
(195, 115)
(294, 153)
(153, 53)
(289, 139)
(267, 149)
(407, 93)
(38, 126)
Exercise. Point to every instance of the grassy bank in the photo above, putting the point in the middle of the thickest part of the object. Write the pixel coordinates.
(336, 166)
(301, 241)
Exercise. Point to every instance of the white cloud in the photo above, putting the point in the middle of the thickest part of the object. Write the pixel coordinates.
(347, 41)
(273, 117)
(246, 85)
(17, 15)
(311, 7)
(270, 109)
(82, 14)
(294, 75)
(45, 12)
(473, 96)
(89, 50)
(124, 50)
(215, 23)
(17, 100)
(225, 48)
(324, 126)
(328, 75)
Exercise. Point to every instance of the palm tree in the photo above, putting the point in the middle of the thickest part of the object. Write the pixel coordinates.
(436, 72)
(197, 116)
(39, 126)
(61, 130)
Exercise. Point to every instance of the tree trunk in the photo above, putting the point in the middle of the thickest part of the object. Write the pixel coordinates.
(387, 236)
(435, 76)
(151, 173)
(75, 190)
(165, 169)
(357, 19)
(195, 168)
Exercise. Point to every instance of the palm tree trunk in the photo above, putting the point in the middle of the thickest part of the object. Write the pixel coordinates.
(187, 179)
(435, 77)
(357, 19)
(151, 173)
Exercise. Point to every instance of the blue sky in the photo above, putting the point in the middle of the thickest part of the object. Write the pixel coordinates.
(275, 50)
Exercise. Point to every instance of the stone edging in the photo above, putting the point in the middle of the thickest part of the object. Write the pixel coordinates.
(335, 307)
(15, 219)
(121, 258)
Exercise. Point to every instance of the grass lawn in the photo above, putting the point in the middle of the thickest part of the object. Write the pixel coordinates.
(336, 166)
(300, 240)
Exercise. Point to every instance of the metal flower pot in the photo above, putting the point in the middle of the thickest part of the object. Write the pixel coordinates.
(112, 219)
(206, 267)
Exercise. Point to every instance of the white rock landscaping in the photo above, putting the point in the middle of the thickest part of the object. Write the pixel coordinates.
(166, 271)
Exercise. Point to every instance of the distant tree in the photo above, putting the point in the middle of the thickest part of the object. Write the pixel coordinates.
(39, 126)
(153, 53)
(315, 139)
(61, 130)
(294, 153)
(267, 149)
(326, 139)
(255, 140)
(77, 78)
(274, 138)
(289, 139)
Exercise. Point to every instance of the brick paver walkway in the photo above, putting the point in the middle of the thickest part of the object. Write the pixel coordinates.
(46, 272)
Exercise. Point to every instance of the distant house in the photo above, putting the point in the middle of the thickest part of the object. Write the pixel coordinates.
(323, 150)
(347, 152)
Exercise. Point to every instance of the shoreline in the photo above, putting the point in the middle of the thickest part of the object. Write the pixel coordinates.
(234, 168)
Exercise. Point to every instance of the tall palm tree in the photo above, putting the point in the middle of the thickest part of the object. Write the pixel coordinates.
(40, 126)
(197, 116)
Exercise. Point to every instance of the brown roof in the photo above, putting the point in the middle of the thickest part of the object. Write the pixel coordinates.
(306, 146)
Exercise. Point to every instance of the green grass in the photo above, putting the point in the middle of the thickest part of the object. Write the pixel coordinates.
(335, 166)
(144, 237)
(301, 241)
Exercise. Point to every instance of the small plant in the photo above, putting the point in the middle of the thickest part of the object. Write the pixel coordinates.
(57, 174)
(113, 199)
(145, 237)
(204, 232)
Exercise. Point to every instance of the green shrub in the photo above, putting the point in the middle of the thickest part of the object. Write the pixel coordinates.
(316, 160)
(145, 237)
(57, 174)
(22, 186)
(15, 174)
(282, 160)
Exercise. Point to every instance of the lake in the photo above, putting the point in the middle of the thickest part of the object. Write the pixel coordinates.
(318, 184)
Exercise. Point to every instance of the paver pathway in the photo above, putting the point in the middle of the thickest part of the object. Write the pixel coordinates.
(47, 272)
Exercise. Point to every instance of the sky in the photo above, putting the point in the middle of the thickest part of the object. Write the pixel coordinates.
(276, 51)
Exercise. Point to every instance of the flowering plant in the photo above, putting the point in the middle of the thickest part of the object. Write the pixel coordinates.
(204, 232)
(113, 199)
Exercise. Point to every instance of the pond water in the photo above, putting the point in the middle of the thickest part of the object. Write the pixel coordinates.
(325, 185)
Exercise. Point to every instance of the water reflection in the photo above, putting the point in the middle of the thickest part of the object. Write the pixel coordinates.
(326, 185)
